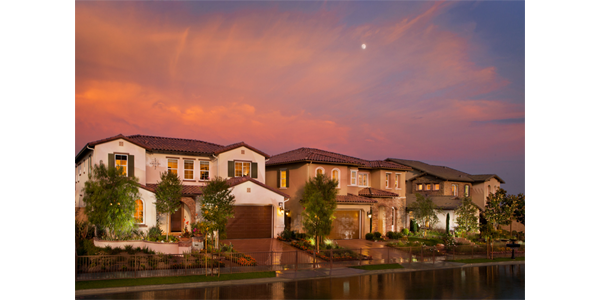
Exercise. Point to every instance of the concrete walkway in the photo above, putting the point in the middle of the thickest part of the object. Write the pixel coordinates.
(284, 276)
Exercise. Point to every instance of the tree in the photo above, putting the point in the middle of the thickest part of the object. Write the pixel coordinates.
(499, 210)
(168, 196)
(518, 202)
(425, 211)
(217, 204)
(319, 204)
(109, 198)
(448, 223)
(466, 216)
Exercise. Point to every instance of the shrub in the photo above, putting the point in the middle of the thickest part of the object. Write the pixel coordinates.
(369, 236)
(377, 234)
(154, 233)
(405, 231)
(390, 234)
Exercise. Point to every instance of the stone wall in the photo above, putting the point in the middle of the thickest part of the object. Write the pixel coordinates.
(387, 204)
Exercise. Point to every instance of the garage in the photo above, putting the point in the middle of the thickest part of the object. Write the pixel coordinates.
(250, 222)
(346, 225)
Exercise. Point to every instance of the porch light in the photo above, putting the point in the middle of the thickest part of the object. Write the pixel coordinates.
(287, 213)
(369, 215)
(281, 207)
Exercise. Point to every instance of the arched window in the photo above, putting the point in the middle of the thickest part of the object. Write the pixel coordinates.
(467, 190)
(139, 211)
(320, 170)
(335, 174)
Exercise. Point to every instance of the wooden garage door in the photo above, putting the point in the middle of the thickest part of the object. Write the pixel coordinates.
(345, 225)
(250, 222)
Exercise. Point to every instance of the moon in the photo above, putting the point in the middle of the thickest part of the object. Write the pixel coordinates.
(364, 46)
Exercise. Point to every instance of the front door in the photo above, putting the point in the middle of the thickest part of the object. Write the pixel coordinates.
(176, 220)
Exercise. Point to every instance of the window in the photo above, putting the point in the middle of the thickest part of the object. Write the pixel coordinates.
(172, 166)
(363, 179)
(397, 181)
(353, 175)
(455, 189)
(467, 190)
(188, 169)
(242, 168)
(320, 171)
(419, 187)
(489, 189)
(436, 187)
(121, 162)
(428, 187)
(335, 174)
(283, 178)
(90, 166)
(204, 170)
(139, 211)
(387, 180)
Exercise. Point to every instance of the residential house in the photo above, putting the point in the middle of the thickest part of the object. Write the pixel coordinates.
(446, 187)
(371, 194)
(257, 206)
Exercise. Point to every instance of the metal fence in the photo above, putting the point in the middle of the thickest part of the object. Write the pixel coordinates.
(200, 263)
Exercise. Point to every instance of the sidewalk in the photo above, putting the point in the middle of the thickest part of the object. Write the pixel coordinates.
(284, 276)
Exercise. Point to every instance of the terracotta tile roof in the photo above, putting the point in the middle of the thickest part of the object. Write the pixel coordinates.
(147, 188)
(373, 192)
(317, 155)
(442, 172)
(238, 180)
(166, 144)
(350, 198)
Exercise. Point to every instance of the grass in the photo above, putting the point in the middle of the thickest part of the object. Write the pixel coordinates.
(485, 260)
(428, 241)
(110, 283)
(378, 267)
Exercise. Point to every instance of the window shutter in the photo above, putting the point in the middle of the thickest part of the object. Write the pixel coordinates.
(287, 178)
(279, 178)
(254, 170)
(111, 160)
(230, 168)
(130, 166)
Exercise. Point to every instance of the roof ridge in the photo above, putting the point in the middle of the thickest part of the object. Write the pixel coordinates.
(337, 153)
(172, 138)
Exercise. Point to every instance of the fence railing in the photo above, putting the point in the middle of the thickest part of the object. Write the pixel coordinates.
(200, 263)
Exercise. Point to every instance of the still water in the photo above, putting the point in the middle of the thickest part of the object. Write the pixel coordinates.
(492, 282)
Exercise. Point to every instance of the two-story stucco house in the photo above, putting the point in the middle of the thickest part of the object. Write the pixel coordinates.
(446, 187)
(367, 189)
(257, 206)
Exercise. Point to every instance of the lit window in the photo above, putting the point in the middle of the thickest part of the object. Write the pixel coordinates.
(467, 190)
(172, 166)
(335, 174)
(455, 189)
(397, 182)
(121, 162)
(363, 179)
(387, 180)
(188, 169)
(242, 168)
(436, 186)
(419, 187)
(354, 174)
(320, 171)
(428, 187)
(139, 211)
(282, 178)
(204, 170)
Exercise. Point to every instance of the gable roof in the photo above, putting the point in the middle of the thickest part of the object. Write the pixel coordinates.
(442, 172)
(373, 192)
(317, 155)
(239, 180)
(486, 177)
(166, 144)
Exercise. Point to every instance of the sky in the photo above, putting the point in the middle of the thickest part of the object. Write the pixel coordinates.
(438, 82)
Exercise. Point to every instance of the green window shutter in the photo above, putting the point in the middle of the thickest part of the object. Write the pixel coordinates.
(287, 178)
(254, 170)
(279, 178)
(111, 160)
(130, 166)
(230, 169)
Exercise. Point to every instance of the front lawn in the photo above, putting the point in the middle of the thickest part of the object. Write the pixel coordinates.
(100, 284)
(378, 267)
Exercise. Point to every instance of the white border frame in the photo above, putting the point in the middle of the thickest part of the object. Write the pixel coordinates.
(193, 169)
(317, 170)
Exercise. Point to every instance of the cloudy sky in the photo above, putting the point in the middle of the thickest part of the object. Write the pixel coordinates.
(439, 82)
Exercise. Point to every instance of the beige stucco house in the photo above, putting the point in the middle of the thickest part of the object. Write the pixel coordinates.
(257, 212)
(366, 188)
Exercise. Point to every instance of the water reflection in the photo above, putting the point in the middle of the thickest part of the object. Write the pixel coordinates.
(493, 282)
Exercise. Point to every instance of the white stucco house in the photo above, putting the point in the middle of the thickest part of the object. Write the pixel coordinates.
(258, 211)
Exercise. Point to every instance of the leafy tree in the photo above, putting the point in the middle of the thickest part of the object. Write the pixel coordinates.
(109, 198)
(319, 203)
(466, 216)
(168, 196)
(217, 204)
(518, 202)
(425, 211)
(499, 210)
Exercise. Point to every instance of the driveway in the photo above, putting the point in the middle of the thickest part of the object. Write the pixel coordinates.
(261, 250)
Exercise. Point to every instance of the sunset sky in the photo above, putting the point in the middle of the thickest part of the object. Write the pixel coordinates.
(439, 82)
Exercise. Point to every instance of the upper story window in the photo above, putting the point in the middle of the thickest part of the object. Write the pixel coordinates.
(172, 166)
(335, 174)
(363, 179)
(419, 187)
(455, 190)
(204, 170)
(188, 169)
(242, 168)
(428, 187)
(121, 162)
(320, 171)
(397, 181)
(436, 187)
(467, 190)
(139, 211)
(353, 177)
(387, 180)
(283, 178)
